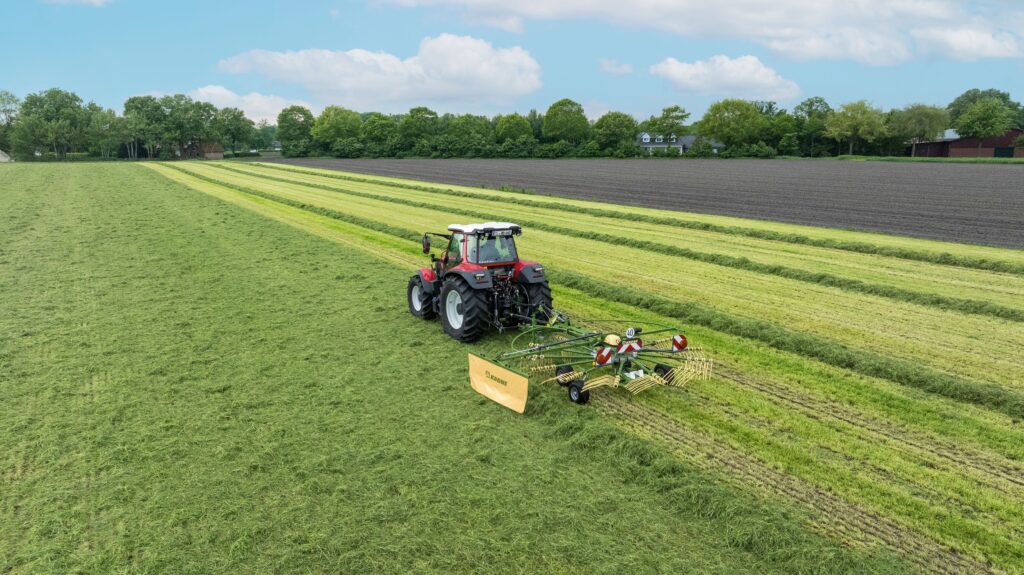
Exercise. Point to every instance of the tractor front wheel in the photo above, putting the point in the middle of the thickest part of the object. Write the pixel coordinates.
(463, 310)
(419, 301)
(576, 393)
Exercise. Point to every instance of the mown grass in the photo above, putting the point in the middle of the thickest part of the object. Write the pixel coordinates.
(689, 221)
(924, 160)
(192, 388)
(902, 456)
(915, 332)
(965, 305)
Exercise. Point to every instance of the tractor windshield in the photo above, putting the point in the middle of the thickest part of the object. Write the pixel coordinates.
(492, 249)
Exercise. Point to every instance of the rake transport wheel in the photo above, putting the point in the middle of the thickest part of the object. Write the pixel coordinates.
(463, 310)
(419, 302)
(561, 372)
(576, 393)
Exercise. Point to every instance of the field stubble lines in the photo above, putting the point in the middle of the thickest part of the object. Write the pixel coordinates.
(815, 347)
(850, 320)
(832, 514)
(929, 298)
(944, 258)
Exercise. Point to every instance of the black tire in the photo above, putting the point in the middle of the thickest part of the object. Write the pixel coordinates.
(662, 369)
(563, 370)
(576, 393)
(540, 302)
(425, 310)
(471, 308)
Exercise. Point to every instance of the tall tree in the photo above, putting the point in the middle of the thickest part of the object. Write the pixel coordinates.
(421, 123)
(335, 124)
(733, 122)
(379, 134)
(918, 123)
(615, 129)
(537, 123)
(856, 122)
(9, 104)
(671, 121)
(63, 116)
(811, 115)
(565, 120)
(146, 118)
(234, 127)
(294, 126)
(986, 118)
(511, 127)
(964, 101)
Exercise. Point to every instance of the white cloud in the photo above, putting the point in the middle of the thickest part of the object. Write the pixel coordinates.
(743, 77)
(869, 31)
(97, 3)
(447, 69)
(255, 105)
(614, 67)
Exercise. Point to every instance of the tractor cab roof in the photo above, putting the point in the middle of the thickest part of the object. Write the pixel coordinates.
(486, 228)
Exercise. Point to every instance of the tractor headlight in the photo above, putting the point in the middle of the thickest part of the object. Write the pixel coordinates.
(539, 269)
(480, 276)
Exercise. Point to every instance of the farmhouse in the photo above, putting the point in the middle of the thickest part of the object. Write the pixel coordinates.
(205, 151)
(951, 145)
(650, 142)
(4, 157)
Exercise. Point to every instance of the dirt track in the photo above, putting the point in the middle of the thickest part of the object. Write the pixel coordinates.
(973, 203)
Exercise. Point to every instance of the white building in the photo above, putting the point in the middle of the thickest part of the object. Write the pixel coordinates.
(4, 157)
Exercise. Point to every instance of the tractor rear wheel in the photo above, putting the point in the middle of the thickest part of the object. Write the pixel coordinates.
(419, 301)
(576, 393)
(540, 303)
(463, 310)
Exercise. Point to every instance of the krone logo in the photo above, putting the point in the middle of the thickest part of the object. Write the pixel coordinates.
(495, 378)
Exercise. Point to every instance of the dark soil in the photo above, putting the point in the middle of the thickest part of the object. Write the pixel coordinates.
(972, 203)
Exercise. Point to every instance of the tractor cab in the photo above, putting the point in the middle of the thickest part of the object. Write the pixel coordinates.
(489, 244)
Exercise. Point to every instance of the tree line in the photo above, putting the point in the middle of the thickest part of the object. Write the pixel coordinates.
(56, 124)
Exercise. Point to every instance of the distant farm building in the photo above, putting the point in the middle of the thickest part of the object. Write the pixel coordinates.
(951, 145)
(203, 151)
(4, 157)
(651, 142)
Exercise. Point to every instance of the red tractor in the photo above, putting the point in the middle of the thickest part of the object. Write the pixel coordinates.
(479, 283)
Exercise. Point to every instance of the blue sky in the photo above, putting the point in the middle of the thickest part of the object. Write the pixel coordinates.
(492, 56)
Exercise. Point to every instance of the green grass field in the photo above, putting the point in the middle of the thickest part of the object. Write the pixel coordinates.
(209, 367)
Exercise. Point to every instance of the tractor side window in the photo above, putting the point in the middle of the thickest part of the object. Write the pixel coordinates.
(455, 250)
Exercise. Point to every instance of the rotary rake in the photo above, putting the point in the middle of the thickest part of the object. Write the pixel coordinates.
(586, 356)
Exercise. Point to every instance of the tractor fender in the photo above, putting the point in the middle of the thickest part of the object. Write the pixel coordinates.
(530, 273)
(473, 278)
(429, 280)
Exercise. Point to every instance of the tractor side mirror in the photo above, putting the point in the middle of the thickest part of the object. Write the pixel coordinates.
(426, 244)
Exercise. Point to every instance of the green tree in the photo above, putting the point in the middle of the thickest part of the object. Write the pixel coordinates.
(294, 126)
(614, 130)
(28, 136)
(811, 115)
(146, 118)
(379, 134)
(789, 145)
(234, 127)
(856, 122)
(335, 124)
(9, 104)
(733, 122)
(104, 132)
(63, 117)
(469, 126)
(536, 120)
(265, 135)
(964, 101)
(671, 121)
(986, 118)
(565, 120)
(420, 123)
(918, 123)
(512, 127)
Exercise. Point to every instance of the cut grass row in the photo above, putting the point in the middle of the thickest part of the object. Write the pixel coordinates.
(977, 348)
(161, 415)
(964, 305)
(905, 475)
(1003, 289)
(903, 372)
(978, 257)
